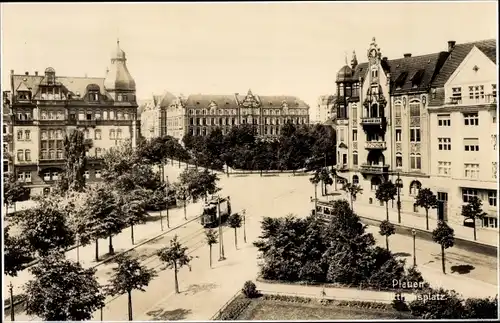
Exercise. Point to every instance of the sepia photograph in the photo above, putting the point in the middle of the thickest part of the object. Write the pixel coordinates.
(240, 161)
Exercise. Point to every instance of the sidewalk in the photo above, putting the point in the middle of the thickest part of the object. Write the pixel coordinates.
(417, 221)
(121, 242)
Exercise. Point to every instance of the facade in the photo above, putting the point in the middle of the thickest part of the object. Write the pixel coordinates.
(385, 127)
(326, 108)
(45, 108)
(199, 114)
(463, 124)
(7, 133)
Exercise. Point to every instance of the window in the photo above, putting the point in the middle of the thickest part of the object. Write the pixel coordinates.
(414, 134)
(98, 152)
(97, 134)
(44, 115)
(442, 196)
(397, 107)
(444, 168)
(20, 155)
(20, 177)
(471, 171)
(111, 115)
(444, 143)
(471, 144)
(494, 91)
(55, 176)
(398, 135)
(27, 177)
(44, 154)
(60, 115)
(97, 173)
(119, 134)
(399, 160)
(354, 135)
(341, 135)
(27, 155)
(52, 134)
(471, 119)
(476, 92)
(355, 179)
(415, 109)
(456, 96)
(492, 198)
(59, 154)
(52, 154)
(86, 174)
(415, 161)
(44, 135)
(19, 135)
(468, 193)
(86, 134)
(490, 222)
(119, 115)
(415, 187)
(4, 129)
(355, 158)
(375, 182)
(5, 167)
(111, 134)
(444, 120)
(344, 159)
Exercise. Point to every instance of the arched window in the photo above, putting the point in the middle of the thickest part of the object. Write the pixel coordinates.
(414, 108)
(397, 109)
(375, 182)
(399, 160)
(374, 111)
(52, 154)
(355, 179)
(415, 186)
(27, 155)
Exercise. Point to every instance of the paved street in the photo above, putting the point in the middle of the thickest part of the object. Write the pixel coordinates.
(204, 290)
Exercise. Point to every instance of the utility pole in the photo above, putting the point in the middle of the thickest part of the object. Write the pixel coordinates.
(168, 217)
(221, 236)
(398, 186)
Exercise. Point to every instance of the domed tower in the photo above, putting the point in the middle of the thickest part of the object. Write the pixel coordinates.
(119, 83)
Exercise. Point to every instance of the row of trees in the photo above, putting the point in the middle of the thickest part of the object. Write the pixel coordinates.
(78, 214)
(296, 147)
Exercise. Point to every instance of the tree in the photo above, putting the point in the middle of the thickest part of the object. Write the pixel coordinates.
(102, 218)
(14, 191)
(387, 229)
(473, 210)
(62, 290)
(182, 194)
(199, 183)
(127, 276)
(325, 178)
(17, 253)
(175, 256)
(211, 237)
(427, 200)
(385, 193)
(133, 207)
(75, 149)
(481, 308)
(353, 190)
(234, 222)
(444, 235)
(315, 179)
(45, 227)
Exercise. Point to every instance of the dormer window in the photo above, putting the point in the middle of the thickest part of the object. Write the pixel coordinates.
(119, 98)
(94, 96)
(77, 94)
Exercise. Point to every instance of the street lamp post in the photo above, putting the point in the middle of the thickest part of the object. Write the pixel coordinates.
(221, 236)
(414, 233)
(398, 186)
(11, 294)
(244, 227)
(168, 217)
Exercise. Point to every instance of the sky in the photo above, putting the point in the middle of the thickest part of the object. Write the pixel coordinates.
(224, 48)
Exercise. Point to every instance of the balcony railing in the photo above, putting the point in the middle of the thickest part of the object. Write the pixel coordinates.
(86, 122)
(466, 100)
(50, 161)
(375, 145)
(374, 168)
(52, 122)
(51, 102)
(375, 121)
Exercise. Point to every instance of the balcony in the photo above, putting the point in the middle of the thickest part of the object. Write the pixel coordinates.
(52, 122)
(52, 103)
(51, 161)
(374, 168)
(373, 121)
(18, 122)
(466, 100)
(86, 123)
(375, 145)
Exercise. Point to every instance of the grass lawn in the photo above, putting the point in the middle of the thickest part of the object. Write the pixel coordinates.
(269, 308)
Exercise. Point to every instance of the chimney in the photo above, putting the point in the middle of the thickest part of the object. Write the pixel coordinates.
(11, 71)
(36, 73)
(26, 73)
(451, 45)
(407, 55)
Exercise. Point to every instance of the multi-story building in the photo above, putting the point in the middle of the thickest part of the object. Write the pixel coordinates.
(45, 108)
(326, 108)
(384, 126)
(156, 116)
(199, 114)
(463, 126)
(6, 133)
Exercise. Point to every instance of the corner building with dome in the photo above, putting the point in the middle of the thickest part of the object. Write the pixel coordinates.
(42, 109)
(403, 120)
